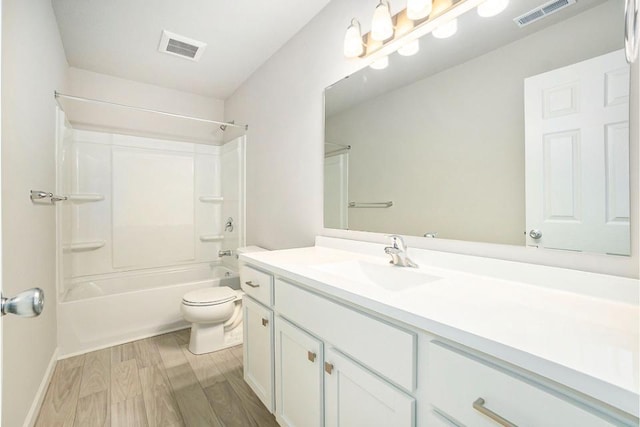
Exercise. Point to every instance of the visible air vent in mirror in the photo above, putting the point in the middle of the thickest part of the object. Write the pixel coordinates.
(542, 11)
(181, 46)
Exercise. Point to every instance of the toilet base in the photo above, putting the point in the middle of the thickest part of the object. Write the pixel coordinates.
(210, 337)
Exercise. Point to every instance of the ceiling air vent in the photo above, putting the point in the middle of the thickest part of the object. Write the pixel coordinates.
(181, 46)
(542, 12)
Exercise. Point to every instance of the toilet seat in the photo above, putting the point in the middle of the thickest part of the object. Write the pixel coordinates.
(209, 296)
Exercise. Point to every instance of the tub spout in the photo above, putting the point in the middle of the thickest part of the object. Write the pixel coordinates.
(227, 252)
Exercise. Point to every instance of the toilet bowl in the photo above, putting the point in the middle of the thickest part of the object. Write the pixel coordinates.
(216, 316)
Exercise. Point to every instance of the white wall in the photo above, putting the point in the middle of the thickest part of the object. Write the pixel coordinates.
(103, 87)
(282, 103)
(33, 66)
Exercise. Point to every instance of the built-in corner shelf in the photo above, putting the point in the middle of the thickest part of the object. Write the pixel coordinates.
(211, 199)
(83, 246)
(211, 237)
(85, 197)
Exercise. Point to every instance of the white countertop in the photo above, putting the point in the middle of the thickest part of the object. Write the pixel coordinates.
(587, 343)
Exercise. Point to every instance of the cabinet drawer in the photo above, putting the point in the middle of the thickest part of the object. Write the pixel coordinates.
(257, 284)
(456, 381)
(387, 350)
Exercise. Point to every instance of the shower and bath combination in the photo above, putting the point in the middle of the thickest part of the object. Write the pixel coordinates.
(140, 218)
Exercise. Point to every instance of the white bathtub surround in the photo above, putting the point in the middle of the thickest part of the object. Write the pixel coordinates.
(154, 203)
(535, 318)
(135, 235)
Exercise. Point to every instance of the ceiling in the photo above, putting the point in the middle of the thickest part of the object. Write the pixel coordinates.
(121, 38)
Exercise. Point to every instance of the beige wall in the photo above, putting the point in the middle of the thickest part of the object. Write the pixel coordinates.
(33, 66)
(449, 149)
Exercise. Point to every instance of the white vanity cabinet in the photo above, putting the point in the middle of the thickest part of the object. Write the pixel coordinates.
(356, 397)
(476, 393)
(298, 381)
(317, 359)
(364, 359)
(258, 350)
(258, 332)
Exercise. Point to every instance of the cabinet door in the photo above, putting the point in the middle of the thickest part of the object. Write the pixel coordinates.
(298, 376)
(258, 350)
(355, 397)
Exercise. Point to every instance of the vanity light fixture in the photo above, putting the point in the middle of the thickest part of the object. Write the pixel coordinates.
(446, 30)
(418, 9)
(492, 7)
(380, 64)
(410, 48)
(382, 24)
(401, 32)
(353, 46)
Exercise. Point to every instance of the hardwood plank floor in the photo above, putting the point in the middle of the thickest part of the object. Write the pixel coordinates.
(154, 382)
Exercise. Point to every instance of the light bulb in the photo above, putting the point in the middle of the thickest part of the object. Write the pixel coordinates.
(410, 48)
(446, 30)
(418, 9)
(382, 25)
(492, 7)
(380, 64)
(353, 46)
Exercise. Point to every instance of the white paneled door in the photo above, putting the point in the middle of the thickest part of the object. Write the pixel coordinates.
(577, 156)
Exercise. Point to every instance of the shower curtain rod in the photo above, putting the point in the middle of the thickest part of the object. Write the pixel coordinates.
(147, 110)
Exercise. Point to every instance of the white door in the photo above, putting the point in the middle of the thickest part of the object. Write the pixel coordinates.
(355, 397)
(577, 156)
(258, 345)
(298, 377)
(336, 191)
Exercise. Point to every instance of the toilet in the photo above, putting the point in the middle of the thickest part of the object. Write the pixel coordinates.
(216, 317)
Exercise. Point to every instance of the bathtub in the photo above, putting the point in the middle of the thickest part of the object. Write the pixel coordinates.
(94, 314)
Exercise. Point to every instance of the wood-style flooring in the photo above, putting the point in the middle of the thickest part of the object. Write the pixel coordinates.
(152, 382)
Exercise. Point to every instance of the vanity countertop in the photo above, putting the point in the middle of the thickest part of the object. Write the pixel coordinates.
(587, 343)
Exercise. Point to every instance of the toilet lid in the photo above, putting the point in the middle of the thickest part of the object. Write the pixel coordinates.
(209, 296)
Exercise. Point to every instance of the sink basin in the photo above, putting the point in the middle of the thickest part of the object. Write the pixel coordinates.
(388, 276)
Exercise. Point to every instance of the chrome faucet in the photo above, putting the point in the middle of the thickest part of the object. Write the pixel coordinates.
(398, 252)
(227, 252)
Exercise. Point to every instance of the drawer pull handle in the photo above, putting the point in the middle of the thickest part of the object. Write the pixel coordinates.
(311, 356)
(328, 368)
(253, 285)
(478, 405)
(265, 322)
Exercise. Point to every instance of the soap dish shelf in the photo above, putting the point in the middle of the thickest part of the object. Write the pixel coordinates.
(211, 238)
(83, 246)
(211, 199)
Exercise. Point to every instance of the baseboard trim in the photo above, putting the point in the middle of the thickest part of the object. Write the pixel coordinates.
(32, 415)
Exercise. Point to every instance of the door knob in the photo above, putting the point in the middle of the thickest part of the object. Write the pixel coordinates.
(27, 303)
(535, 234)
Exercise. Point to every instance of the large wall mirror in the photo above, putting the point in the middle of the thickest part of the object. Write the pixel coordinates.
(502, 133)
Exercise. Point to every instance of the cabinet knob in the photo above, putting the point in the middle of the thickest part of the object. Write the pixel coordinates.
(253, 285)
(265, 322)
(328, 368)
(311, 356)
(478, 405)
